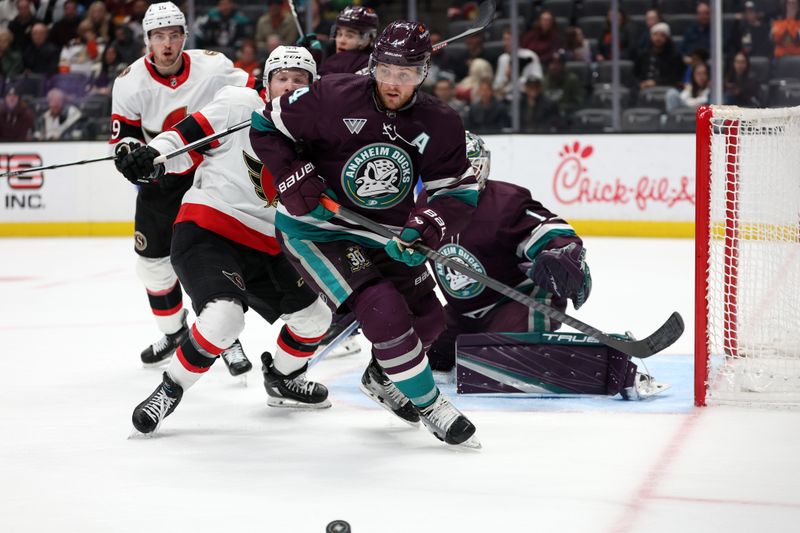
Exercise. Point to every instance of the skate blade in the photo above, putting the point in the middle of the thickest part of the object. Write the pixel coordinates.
(380, 402)
(135, 434)
(286, 403)
(471, 443)
(653, 389)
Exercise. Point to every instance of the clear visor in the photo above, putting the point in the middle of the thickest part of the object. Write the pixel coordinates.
(398, 75)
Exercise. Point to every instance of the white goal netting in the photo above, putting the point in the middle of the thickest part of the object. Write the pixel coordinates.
(753, 299)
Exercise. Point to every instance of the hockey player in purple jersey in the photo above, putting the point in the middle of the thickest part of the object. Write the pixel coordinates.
(356, 29)
(364, 140)
(517, 241)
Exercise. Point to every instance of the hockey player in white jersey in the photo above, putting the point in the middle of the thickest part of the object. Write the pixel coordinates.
(153, 94)
(224, 248)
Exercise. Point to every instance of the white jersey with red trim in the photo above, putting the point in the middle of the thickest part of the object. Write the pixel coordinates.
(145, 103)
(232, 194)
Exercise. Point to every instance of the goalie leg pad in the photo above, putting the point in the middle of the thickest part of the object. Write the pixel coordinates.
(539, 363)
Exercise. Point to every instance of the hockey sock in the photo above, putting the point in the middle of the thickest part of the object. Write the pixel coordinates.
(301, 335)
(387, 323)
(218, 326)
(163, 292)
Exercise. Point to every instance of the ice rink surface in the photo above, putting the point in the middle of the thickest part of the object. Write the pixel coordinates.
(74, 318)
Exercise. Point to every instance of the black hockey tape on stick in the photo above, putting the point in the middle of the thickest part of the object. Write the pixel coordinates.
(663, 337)
(346, 332)
(300, 31)
(486, 13)
(12, 173)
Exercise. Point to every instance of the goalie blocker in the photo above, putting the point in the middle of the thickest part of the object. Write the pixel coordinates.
(547, 363)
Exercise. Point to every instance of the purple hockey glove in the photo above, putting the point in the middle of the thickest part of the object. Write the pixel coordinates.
(299, 188)
(428, 224)
(563, 272)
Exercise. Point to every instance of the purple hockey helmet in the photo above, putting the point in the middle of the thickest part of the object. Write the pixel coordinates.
(403, 43)
(359, 18)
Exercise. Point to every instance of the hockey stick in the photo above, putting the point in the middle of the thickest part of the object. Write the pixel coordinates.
(199, 143)
(663, 337)
(346, 332)
(300, 31)
(485, 17)
(12, 173)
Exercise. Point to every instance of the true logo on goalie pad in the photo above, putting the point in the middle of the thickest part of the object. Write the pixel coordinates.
(454, 283)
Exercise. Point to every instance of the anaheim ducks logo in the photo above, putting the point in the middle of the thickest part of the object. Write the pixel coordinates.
(172, 118)
(454, 283)
(261, 179)
(378, 176)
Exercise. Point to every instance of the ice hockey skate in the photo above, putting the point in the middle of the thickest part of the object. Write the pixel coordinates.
(644, 386)
(448, 424)
(160, 352)
(147, 416)
(292, 390)
(235, 359)
(377, 385)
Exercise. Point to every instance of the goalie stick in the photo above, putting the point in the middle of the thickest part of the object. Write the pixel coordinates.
(663, 337)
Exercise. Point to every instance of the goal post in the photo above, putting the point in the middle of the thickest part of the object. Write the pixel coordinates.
(747, 250)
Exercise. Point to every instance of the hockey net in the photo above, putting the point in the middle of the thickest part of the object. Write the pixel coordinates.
(747, 299)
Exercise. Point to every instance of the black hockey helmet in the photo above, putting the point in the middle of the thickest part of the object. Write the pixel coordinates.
(359, 18)
(403, 43)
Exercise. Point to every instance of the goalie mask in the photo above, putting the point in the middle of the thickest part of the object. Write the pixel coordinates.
(288, 57)
(479, 157)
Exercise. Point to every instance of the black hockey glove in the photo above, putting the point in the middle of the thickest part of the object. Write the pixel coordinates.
(137, 166)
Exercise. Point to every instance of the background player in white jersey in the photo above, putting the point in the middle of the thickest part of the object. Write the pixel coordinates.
(224, 248)
(151, 95)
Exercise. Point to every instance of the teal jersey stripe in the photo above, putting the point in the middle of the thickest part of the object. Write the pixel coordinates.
(297, 229)
(536, 247)
(469, 197)
(261, 123)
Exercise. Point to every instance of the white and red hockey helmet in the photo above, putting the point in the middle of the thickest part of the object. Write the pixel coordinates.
(479, 157)
(286, 57)
(162, 15)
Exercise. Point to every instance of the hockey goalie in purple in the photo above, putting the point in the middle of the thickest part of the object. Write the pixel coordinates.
(517, 241)
(364, 140)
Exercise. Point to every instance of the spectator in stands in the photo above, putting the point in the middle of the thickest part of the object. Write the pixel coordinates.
(110, 67)
(49, 11)
(41, 56)
(751, 33)
(537, 112)
(786, 32)
(65, 28)
(544, 37)
(277, 20)
(8, 10)
(651, 17)
(576, 46)
(444, 89)
(740, 87)
(134, 20)
(10, 59)
(22, 25)
(83, 54)
(479, 71)
(59, 121)
(127, 47)
(16, 118)
(699, 55)
(660, 64)
(98, 15)
(562, 86)
(529, 65)
(698, 35)
(223, 26)
(486, 113)
(247, 59)
(625, 38)
(695, 93)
